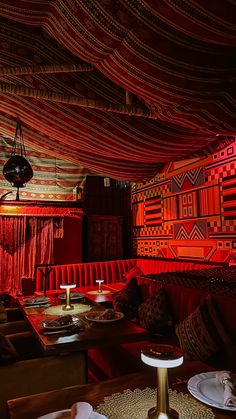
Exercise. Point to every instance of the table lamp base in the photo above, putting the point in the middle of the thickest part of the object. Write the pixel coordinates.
(67, 308)
(154, 414)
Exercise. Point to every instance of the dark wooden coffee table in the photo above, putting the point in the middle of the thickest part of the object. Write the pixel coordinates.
(96, 335)
(32, 407)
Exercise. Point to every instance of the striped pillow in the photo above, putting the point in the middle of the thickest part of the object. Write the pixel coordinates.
(202, 333)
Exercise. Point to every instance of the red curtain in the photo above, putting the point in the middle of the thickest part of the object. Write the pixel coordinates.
(24, 242)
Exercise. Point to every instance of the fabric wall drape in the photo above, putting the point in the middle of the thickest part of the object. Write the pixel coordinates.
(24, 242)
(12, 252)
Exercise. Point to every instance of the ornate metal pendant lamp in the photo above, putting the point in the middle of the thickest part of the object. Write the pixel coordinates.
(17, 170)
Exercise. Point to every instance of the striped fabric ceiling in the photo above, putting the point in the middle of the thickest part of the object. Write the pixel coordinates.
(120, 87)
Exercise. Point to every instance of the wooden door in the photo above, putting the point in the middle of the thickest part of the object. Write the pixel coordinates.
(104, 238)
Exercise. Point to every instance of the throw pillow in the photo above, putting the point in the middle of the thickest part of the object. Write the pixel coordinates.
(128, 299)
(154, 313)
(131, 273)
(8, 353)
(202, 333)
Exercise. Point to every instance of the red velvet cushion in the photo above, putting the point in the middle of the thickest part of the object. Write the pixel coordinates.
(128, 299)
(131, 273)
(154, 314)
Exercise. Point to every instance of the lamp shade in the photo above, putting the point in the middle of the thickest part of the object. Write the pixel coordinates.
(17, 171)
(67, 286)
(162, 356)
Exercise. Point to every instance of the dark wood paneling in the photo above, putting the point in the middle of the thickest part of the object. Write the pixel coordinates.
(114, 200)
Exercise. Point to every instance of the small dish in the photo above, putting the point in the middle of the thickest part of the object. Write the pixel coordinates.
(59, 323)
(36, 301)
(94, 317)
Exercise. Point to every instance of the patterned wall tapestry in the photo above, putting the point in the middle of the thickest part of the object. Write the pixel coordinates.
(53, 180)
(189, 210)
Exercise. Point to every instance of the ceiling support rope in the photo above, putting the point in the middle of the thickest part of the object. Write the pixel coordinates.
(45, 69)
(74, 100)
(129, 98)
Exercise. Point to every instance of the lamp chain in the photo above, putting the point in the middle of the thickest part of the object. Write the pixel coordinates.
(18, 140)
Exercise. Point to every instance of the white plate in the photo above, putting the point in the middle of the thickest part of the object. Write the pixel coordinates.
(73, 296)
(65, 414)
(61, 414)
(36, 301)
(50, 325)
(93, 317)
(207, 388)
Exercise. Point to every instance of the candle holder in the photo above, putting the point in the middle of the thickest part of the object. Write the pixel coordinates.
(162, 357)
(99, 282)
(67, 287)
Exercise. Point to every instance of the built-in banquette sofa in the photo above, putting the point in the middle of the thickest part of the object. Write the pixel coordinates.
(85, 274)
(202, 323)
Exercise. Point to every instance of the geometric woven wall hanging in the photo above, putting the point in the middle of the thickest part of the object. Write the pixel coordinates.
(186, 180)
(229, 197)
(190, 231)
(188, 205)
(153, 211)
(209, 201)
(197, 217)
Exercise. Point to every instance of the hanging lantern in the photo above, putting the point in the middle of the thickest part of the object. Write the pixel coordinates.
(17, 170)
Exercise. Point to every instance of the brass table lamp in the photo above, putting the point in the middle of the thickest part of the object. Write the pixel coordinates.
(99, 282)
(162, 357)
(67, 287)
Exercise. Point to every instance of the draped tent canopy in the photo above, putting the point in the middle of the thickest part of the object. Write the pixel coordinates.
(120, 87)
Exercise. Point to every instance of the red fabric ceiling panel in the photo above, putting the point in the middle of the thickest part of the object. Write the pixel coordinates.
(176, 59)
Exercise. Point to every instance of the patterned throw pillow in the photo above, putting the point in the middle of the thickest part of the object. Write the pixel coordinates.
(131, 273)
(128, 299)
(202, 333)
(154, 314)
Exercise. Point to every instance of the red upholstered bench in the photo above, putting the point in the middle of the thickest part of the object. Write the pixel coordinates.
(85, 274)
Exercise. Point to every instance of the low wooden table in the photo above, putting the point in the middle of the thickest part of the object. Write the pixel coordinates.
(97, 335)
(32, 407)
